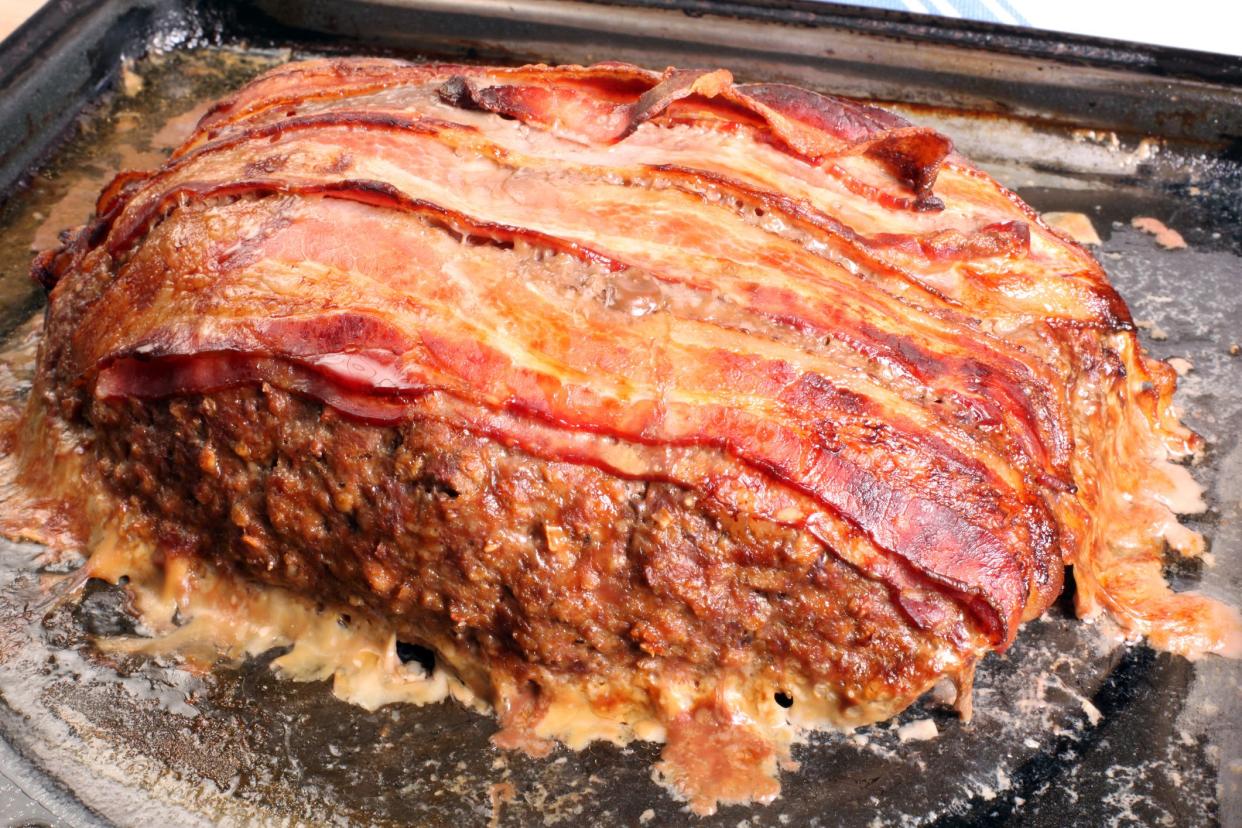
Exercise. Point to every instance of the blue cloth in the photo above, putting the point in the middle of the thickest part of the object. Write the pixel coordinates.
(996, 11)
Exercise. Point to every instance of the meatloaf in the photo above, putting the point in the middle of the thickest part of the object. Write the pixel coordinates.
(639, 397)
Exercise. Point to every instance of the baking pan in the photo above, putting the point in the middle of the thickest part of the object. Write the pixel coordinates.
(1071, 725)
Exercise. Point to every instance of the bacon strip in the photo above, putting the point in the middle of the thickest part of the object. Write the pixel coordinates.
(582, 102)
(814, 126)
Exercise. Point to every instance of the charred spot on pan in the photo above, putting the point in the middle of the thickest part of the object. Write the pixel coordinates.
(105, 610)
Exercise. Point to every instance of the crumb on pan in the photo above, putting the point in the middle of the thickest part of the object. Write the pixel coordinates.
(1181, 365)
(1153, 329)
(131, 82)
(918, 731)
(1077, 226)
(1166, 237)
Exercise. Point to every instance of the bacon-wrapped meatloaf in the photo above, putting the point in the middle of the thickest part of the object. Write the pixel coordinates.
(711, 411)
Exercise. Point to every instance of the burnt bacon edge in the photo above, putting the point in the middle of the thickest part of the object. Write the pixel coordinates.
(913, 154)
(869, 191)
(799, 118)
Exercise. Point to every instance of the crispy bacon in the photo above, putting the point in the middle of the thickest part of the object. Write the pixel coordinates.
(797, 306)
(813, 126)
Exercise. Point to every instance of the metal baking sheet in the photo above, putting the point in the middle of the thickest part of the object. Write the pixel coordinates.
(1071, 726)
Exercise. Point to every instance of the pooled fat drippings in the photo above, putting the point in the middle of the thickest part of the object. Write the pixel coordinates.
(1120, 566)
(205, 617)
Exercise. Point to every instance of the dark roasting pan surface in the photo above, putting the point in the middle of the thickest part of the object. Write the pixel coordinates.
(1070, 727)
